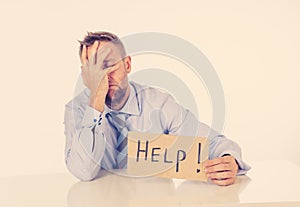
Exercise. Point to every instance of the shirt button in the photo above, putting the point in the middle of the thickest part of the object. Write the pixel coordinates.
(95, 120)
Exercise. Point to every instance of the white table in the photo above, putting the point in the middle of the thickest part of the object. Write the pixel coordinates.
(269, 183)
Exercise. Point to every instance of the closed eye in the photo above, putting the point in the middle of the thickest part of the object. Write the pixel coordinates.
(106, 65)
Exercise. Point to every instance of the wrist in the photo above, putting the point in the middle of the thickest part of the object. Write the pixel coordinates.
(97, 102)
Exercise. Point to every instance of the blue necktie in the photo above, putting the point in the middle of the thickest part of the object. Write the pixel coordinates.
(118, 121)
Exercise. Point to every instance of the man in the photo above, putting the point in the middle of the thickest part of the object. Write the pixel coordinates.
(96, 140)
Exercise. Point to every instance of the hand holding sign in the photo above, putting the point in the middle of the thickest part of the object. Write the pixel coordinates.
(221, 170)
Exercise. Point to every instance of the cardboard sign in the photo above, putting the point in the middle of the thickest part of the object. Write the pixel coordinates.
(167, 156)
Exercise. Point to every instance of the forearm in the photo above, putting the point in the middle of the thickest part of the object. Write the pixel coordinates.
(97, 101)
(219, 144)
(85, 144)
(81, 160)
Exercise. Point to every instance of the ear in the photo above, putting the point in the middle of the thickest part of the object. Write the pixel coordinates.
(127, 62)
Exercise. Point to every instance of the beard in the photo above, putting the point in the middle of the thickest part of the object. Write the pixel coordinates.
(115, 97)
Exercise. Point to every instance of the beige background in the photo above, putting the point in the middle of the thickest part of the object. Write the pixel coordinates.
(253, 46)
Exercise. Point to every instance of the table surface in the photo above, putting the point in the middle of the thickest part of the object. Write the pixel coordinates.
(269, 183)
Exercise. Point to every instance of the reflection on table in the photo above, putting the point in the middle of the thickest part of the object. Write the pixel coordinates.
(272, 183)
(114, 190)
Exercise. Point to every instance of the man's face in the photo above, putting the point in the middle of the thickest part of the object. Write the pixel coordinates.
(117, 80)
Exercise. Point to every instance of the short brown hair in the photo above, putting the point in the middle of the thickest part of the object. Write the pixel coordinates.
(91, 37)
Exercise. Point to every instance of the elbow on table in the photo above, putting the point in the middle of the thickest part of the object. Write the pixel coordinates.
(83, 174)
(86, 177)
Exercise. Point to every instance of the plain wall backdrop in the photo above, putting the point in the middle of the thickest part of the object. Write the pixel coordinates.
(253, 46)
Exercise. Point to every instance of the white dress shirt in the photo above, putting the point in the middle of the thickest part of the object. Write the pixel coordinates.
(91, 139)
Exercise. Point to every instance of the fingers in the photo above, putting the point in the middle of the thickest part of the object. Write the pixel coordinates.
(227, 163)
(94, 55)
(223, 182)
(83, 74)
(83, 57)
(218, 168)
(92, 50)
(217, 161)
(221, 175)
(221, 170)
(102, 55)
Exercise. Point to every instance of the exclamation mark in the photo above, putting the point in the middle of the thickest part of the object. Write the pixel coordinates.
(199, 158)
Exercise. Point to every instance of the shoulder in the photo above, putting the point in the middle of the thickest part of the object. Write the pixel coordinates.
(150, 93)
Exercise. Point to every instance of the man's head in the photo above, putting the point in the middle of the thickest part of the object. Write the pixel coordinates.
(91, 37)
(117, 80)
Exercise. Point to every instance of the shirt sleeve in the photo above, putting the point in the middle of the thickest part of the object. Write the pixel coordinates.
(85, 141)
(183, 123)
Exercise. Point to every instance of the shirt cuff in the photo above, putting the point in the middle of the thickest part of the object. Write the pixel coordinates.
(91, 117)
